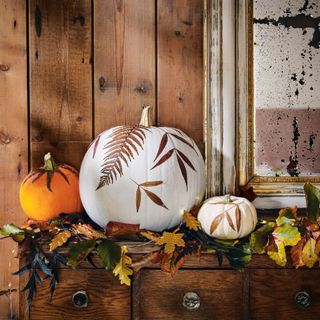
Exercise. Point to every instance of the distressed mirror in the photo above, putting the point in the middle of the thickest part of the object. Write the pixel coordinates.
(278, 56)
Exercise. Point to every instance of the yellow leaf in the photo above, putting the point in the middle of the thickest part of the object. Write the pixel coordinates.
(88, 231)
(121, 269)
(309, 256)
(191, 221)
(170, 240)
(278, 253)
(150, 235)
(60, 239)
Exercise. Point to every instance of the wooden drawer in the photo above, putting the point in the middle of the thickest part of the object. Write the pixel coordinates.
(160, 296)
(107, 299)
(273, 294)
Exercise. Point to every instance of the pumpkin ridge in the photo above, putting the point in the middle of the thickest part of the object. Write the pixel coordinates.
(123, 140)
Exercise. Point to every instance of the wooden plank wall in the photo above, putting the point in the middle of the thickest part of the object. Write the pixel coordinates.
(71, 69)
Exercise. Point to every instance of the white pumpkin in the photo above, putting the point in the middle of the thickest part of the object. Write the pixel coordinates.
(141, 175)
(228, 217)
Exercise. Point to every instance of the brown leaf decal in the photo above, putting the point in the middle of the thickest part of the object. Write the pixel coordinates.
(183, 140)
(163, 158)
(186, 160)
(163, 143)
(215, 223)
(151, 183)
(138, 198)
(125, 140)
(230, 221)
(63, 175)
(69, 168)
(183, 170)
(152, 196)
(238, 218)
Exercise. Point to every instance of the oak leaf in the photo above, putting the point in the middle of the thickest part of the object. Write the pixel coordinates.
(170, 240)
(121, 269)
(60, 239)
(191, 221)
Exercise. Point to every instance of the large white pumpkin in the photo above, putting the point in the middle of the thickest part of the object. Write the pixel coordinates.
(227, 217)
(141, 175)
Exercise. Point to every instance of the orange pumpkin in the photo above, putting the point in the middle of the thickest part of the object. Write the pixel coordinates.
(50, 190)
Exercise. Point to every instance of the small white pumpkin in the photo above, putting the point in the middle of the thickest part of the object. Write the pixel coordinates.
(142, 175)
(227, 217)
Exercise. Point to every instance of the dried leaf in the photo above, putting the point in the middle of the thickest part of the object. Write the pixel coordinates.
(163, 143)
(163, 158)
(309, 256)
(230, 221)
(313, 200)
(238, 218)
(287, 215)
(170, 240)
(88, 231)
(149, 259)
(296, 253)
(154, 198)
(79, 252)
(190, 221)
(259, 238)
(110, 253)
(276, 251)
(117, 229)
(152, 236)
(121, 269)
(183, 170)
(138, 198)
(60, 239)
(248, 193)
(216, 221)
(288, 234)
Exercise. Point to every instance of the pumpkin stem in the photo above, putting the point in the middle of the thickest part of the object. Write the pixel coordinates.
(49, 164)
(227, 198)
(146, 117)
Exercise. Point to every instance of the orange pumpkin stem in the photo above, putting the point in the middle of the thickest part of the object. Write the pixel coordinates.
(49, 163)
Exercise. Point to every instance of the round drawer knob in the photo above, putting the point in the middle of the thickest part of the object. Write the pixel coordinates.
(302, 299)
(191, 301)
(80, 299)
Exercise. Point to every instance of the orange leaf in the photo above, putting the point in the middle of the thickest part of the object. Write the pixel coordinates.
(191, 222)
(154, 198)
(170, 241)
(116, 229)
(138, 198)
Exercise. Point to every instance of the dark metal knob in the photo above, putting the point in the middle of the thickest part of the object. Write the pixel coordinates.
(302, 299)
(191, 301)
(80, 299)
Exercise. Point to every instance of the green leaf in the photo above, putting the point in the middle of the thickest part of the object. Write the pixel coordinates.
(79, 251)
(287, 215)
(277, 253)
(15, 232)
(239, 256)
(259, 238)
(313, 200)
(288, 234)
(110, 253)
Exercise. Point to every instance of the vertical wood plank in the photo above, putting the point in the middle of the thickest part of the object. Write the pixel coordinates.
(13, 136)
(124, 60)
(180, 66)
(60, 79)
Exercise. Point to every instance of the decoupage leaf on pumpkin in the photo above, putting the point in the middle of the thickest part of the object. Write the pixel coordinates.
(121, 269)
(313, 200)
(216, 221)
(163, 159)
(309, 256)
(259, 238)
(163, 143)
(154, 198)
(110, 253)
(191, 222)
(59, 239)
(171, 240)
(79, 252)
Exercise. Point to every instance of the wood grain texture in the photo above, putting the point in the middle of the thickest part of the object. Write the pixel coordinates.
(180, 66)
(60, 79)
(272, 294)
(124, 61)
(220, 294)
(107, 298)
(13, 136)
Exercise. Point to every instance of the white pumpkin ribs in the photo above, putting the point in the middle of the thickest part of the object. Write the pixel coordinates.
(126, 141)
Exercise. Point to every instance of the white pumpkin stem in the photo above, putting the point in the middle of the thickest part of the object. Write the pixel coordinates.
(146, 117)
(227, 198)
(49, 163)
